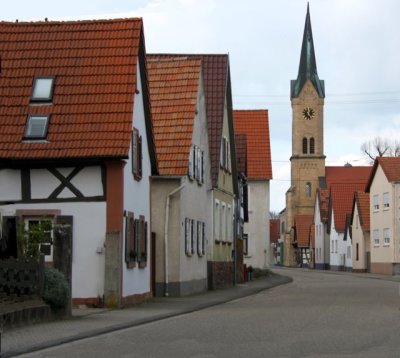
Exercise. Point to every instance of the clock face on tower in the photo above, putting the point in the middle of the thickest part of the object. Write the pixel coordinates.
(308, 113)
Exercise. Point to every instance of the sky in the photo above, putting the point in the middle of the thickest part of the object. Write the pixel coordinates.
(357, 46)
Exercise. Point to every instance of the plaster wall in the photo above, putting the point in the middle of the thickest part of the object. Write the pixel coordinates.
(258, 226)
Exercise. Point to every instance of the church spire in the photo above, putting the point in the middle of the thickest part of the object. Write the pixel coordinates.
(308, 65)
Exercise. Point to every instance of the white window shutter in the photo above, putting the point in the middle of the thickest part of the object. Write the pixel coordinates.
(203, 236)
(202, 166)
(187, 239)
(190, 168)
(192, 236)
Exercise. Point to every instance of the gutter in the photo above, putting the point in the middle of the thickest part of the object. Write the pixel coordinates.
(167, 206)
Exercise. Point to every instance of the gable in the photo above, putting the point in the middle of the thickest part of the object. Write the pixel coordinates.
(255, 125)
(94, 65)
(174, 89)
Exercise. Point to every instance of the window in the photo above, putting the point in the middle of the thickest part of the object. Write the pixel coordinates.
(223, 222)
(42, 89)
(135, 240)
(196, 164)
(336, 246)
(375, 235)
(136, 154)
(386, 237)
(357, 252)
(245, 244)
(332, 246)
(225, 157)
(217, 216)
(305, 146)
(189, 236)
(375, 202)
(36, 126)
(357, 221)
(201, 238)
(312, 146)
(386, 204)
(40, 233)
(229, 223)
(308, 190)
(349, 252)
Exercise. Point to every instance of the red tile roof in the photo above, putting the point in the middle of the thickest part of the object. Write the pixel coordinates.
(390, 166)
(94, 64)
(274, 230)
(217, 92)
(254, 123)
(303, 226)
(343, 182)
(361, 199)
(174, 86)
(241, 153)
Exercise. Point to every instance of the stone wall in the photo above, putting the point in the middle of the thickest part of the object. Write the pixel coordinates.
(220, 274)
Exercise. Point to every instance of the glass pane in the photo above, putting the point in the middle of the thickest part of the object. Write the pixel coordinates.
(42, 88)
(36, 127)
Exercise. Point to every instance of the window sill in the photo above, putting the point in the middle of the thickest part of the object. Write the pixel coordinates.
(130, 265)
(386, 245)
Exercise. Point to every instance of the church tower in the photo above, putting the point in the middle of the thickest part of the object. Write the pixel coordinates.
(307, 95)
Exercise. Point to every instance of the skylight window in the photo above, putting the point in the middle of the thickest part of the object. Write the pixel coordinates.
(42, 89)
(36, 127)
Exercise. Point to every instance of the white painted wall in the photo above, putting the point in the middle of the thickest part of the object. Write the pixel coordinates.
(89, 226)
(137, 199)
(10, 185)
(258, 226)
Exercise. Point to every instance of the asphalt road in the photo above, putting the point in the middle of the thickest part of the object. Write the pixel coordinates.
(317, 315)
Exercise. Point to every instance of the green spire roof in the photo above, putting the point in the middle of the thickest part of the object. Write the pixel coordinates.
(308, 65)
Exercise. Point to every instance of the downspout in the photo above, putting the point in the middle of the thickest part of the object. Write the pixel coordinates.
(167, 205)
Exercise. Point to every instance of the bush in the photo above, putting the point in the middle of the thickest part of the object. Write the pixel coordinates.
(56, 288)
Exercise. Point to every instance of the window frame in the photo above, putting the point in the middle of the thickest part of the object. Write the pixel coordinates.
(136, 152)
(376, 238)
(386, 236)
(308, 189)
(49, 98)
(217, 220)
(245, 239)
(312, 145)
(28, 125)
(305, 145)
(386, 201)
(375, 203)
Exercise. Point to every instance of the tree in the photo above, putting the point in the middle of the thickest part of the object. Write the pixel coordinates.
(381, 147)
(273, 215)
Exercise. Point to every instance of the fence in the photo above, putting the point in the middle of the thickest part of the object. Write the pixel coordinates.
(20, 278)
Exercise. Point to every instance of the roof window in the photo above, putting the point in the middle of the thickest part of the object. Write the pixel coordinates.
(42, 89)
(36, 126)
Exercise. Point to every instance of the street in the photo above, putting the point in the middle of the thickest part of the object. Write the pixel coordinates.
(318, 315)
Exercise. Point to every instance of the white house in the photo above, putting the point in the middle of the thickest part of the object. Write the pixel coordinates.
(76, 148)
(321, 252)
(254, 123)
(181, 193)
(384, 190)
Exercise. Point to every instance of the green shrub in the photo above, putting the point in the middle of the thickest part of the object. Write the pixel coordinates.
(56, 288)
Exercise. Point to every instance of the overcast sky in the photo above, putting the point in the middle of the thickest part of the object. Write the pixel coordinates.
(357, 45)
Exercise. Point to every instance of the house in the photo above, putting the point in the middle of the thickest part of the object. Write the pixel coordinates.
(223, 191)
(384, 192)
(360, 232)
(274, 227)
(320, 221)
(76, 148)
(342, 183)
(241, 208)
(181, 193)
(254, 123)
(302, 236)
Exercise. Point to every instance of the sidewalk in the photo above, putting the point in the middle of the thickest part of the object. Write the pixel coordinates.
(91, 322)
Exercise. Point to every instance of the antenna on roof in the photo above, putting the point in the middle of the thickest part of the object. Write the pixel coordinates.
(46, 19)
(16, 20)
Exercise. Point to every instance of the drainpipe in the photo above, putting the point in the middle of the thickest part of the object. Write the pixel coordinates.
(167, 205)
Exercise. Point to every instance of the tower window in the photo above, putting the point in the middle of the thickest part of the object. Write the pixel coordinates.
(312, 146)
(42, 89)
(305, 146)
(308, 190)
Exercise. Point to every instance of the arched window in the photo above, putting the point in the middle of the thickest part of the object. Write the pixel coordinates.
(312, 146)
(308, 190)
(305, 145)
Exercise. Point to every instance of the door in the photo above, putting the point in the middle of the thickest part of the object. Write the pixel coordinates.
(8, 239)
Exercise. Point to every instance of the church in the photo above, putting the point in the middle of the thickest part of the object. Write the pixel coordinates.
(308, 171)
